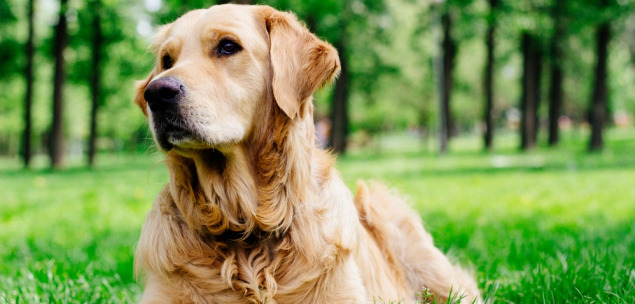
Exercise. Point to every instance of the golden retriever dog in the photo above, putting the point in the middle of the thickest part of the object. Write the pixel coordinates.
(254, 211)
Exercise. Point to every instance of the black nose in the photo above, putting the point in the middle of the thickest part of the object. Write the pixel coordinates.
(163, 93)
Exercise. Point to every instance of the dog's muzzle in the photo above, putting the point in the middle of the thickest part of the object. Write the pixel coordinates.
(164, 95)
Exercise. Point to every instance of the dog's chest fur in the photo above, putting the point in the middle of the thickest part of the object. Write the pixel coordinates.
(180, 246)
(207, 269)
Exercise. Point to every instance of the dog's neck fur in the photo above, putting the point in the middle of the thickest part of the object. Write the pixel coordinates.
(249, 189)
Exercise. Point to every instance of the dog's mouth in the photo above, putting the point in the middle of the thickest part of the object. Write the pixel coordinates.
(172, 134)
(183, 139)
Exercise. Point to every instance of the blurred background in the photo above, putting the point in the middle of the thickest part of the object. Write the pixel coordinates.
(508, 72)
(507, 123)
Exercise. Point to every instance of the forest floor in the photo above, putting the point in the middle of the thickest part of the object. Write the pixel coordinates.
(546, 226)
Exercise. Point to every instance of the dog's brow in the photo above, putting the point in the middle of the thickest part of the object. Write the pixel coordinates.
(170, 45)
(217, 32)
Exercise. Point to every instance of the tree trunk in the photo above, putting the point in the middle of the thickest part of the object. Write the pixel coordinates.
(488, 112)
(57, 132)
(555, 89)
(311, 23)
(28, 74)
(95, 80)
(531, 90)
(539, 58)
(597, 110)
(339, 107)
(449, 50)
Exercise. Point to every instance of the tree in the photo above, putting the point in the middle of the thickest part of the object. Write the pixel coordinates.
(488, 112)
(556, 56)
(532, 59)
(57, 133)
(122, 59)
(95, 86)
(28, 75)
(11, 56)
(598, 106)
(529, 19)
(339, 110)
(448, 46)
(457, 18)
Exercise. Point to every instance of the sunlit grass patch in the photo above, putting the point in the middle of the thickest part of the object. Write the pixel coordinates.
(548, 226)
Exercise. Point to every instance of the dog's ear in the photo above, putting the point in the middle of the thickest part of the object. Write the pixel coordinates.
(140, 88)
(301, 62)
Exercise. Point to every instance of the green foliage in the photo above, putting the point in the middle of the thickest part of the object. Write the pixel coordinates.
(11, 56)
(391, 47)
(124, 62)
(10, 48)
(550, 226)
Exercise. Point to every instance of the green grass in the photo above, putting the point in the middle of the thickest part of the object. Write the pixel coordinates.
(549, 226)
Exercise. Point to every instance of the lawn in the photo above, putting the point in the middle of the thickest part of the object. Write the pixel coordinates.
(549, 226)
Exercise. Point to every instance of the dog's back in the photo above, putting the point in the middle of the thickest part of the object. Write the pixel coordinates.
(398, 231)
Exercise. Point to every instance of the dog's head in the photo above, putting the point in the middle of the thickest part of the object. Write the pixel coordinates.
(216, 70)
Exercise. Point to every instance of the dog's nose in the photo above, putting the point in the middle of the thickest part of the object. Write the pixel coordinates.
(163, 93)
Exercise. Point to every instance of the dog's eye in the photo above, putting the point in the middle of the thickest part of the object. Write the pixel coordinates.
(167, 62)
(228, 47)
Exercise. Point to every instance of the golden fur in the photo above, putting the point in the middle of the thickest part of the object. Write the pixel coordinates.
(254, 212)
